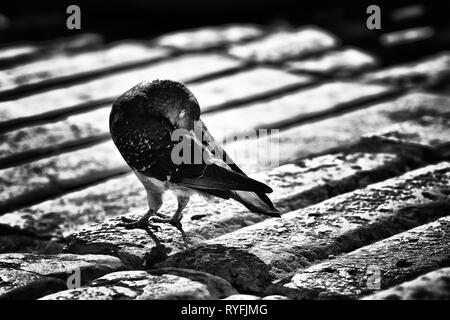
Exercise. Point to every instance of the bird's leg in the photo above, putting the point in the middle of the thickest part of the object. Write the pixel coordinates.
(154, 203)
(175, 220)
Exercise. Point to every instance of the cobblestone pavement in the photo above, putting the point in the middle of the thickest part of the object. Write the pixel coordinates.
(363, 181)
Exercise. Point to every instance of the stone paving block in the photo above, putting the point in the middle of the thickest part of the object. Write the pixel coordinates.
(300, 105)
(244, 86)
(427, 72)
(407, 36)
(107, 88)
(337, 132)
(13, 52)
(342, 62)
(20, 271)
(41, 139)
(426, 132)
(20, 52)
(141, 285)
(430, 286)
(23, 243)
(71, 212)
(284, 45)
(393, 260)
(75, 43)
(209, 37)
(76, 129)
(69, 65)
(254, 256)
(18, 284)
(51, 176)
(61, 265)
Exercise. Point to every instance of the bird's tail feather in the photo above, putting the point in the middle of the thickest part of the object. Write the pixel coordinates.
(216, 177)
(253, 202)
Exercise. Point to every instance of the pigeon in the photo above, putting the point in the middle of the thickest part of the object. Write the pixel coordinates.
(157, 129)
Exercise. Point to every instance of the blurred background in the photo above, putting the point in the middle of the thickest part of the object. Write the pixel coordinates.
(23, 20)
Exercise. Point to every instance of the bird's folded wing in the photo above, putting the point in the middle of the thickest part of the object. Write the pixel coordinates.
(216, 149)
(150, 150)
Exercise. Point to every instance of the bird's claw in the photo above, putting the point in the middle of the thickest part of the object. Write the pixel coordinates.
(143, 224)
(177, 224)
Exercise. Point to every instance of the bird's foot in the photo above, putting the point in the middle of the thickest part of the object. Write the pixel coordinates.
(142, 223)
(177, 224)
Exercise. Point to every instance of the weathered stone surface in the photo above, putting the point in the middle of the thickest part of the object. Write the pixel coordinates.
(51, 176)
(140, 285)
(303, 104)
(19, 51)
(209, 37)
(66, 65)
(339, 131)
(106, 88)
(42, 138)
(428, 72)
(252, 257)
(285, 45)
(433, 285)
(62, 265)
(62, 216)
(408, 36)
(219, 286)
(11, 278)
(430, 134)
(33, 276)
(18, 284)
(399, 258)
(341, 62)
(295, 186)
(246, 85)
(20, 243)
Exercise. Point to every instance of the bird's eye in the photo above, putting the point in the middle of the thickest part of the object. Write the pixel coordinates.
(182, 113)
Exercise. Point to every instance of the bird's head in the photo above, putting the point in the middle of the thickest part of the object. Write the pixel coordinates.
(164, 98)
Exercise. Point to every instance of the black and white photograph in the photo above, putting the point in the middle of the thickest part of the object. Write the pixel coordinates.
(250, 153)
